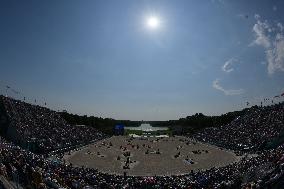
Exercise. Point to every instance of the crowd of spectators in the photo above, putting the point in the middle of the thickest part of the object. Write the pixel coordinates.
(34, 171)
(264, 170)
(249, 132)
(44, 128)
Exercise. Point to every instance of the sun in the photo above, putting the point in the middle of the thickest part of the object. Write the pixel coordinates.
(153, 22)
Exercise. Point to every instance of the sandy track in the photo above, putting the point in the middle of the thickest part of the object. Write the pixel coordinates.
(103, 156)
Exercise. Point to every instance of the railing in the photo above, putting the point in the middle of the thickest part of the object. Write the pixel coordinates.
(5, 184)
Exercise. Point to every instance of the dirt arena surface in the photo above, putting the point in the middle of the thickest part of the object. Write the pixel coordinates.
(149, 156)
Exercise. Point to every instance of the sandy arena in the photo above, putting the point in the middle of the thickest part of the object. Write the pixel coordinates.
(149, 156)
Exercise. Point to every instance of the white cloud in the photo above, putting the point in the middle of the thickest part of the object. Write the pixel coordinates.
(275, 56)
(227, 67)
(274, 8)
(272, 39)
(280, 26)
(216, 85)
(257, 16)
(260, 30)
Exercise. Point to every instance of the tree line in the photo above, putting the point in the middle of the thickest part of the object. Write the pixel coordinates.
(105, 125)
(187, 125)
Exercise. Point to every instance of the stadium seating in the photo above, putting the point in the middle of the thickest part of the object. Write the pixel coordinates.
(249, 132)
(50, 132)
(43, 130)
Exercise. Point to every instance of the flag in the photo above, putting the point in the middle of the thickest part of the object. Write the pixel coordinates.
(282, 94)
(8, 87)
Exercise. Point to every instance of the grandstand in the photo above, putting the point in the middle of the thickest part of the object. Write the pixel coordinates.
(251, 132)
(35, 142)
(40, 129)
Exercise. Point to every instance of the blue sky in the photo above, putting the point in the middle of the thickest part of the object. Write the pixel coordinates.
(99, 58)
